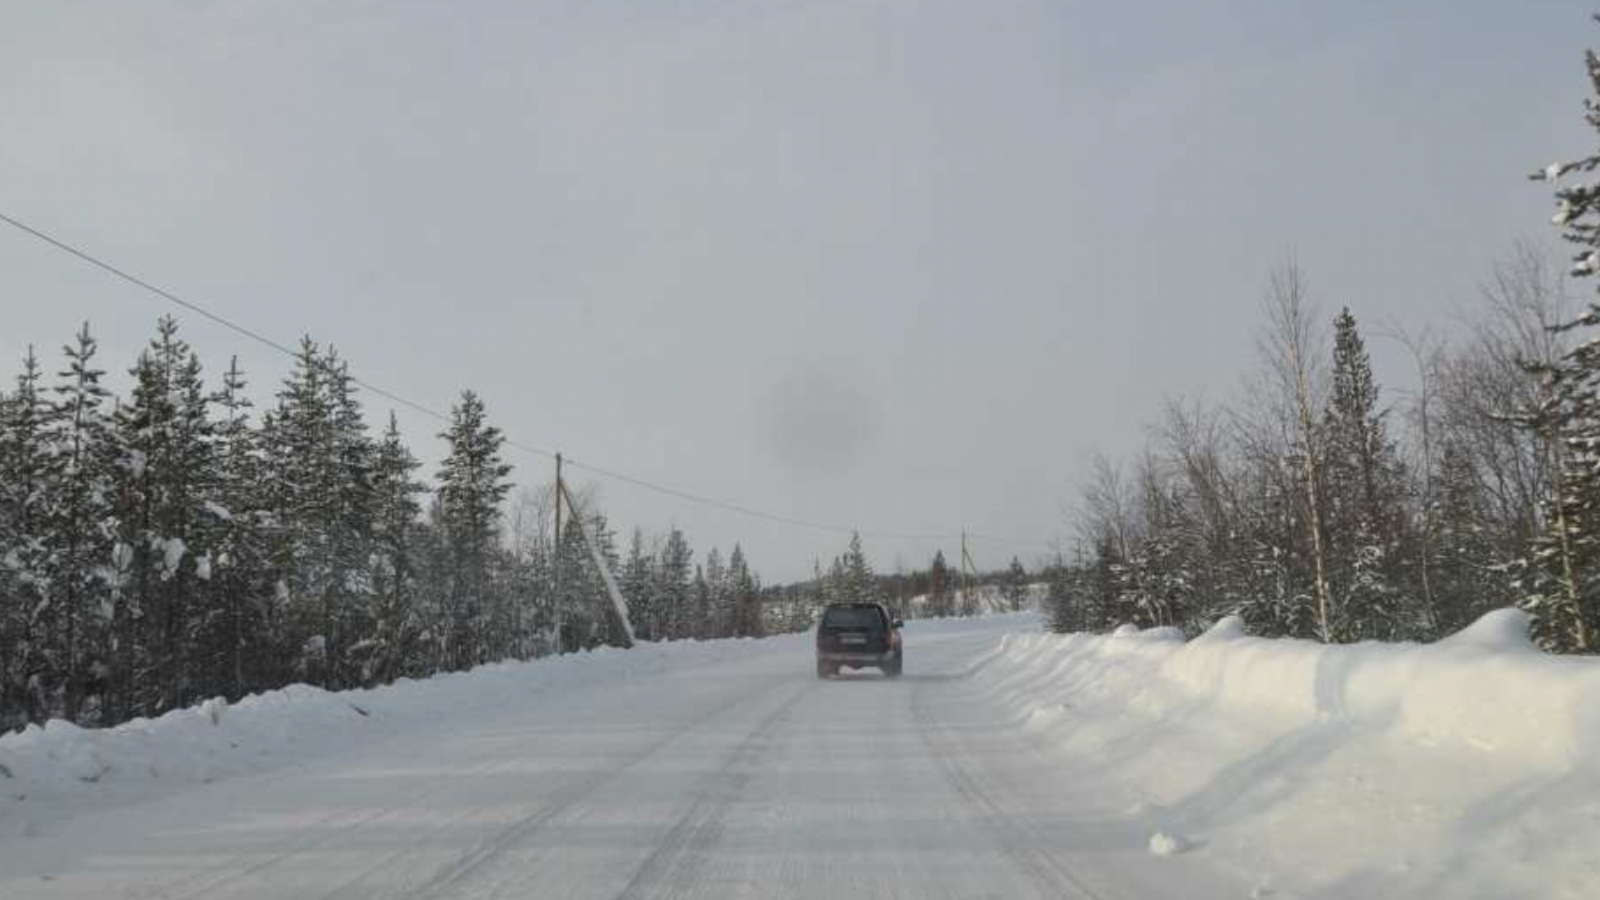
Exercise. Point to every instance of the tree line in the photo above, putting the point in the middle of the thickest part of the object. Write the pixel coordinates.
(1314, 508)
(171, 544)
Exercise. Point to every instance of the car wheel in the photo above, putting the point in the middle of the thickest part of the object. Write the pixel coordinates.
(824, 671)
(895, 666)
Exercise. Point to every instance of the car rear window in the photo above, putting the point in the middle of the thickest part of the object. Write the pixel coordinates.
(852, 617)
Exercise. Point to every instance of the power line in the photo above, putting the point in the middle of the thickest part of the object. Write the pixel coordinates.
(432, 413)
(213, 317)
(749, 511)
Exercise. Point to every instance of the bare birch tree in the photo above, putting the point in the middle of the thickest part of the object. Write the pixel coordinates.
(1290, 347)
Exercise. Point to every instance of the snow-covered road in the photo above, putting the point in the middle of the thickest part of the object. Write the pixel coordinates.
(741, 778)
(1004, 764)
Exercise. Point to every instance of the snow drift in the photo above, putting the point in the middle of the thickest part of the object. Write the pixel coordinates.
(1466, 768)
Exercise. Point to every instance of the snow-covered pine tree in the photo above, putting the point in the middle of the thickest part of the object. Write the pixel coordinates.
(700, 602)
(346, 591)
(1364, 489)
(163, 477)
(568, 589)
(1160, 577)
(78, 528)
(1103, 609)
(1062, 608)
(673, 613)
(588, 616)
(1557, 578)
(1560, 578)
(636, 588)
(1467, 580)
(431, 603)
(301, 493)
(609, 629)
(241, 582)
(858, 585)
(396, 511)
(940, 600)
(745, 589)
(24, 460)
(187, 473)
(1016, 585)
(1278, 579)
(715, 618)
(472, 483)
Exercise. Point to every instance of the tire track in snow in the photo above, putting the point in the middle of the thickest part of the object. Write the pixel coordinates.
(484, 852)
(210, 879)
(330, 828)
(1016, 841)
(676, 868)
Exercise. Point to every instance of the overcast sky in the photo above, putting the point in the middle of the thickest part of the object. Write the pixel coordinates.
(892, 264)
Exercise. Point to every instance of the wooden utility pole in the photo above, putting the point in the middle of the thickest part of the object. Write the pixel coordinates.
(966, 585)
(555, 557)
(591, 540)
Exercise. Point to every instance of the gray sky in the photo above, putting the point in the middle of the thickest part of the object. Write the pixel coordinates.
(883, 263)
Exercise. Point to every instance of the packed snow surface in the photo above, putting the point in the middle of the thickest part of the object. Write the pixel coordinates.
(1005, 763)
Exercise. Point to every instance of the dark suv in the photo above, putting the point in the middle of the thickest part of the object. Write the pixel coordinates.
(857, 636)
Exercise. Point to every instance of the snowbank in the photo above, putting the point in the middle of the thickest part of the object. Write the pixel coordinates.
(60, 769)
(1487, 687)
(1470, 767)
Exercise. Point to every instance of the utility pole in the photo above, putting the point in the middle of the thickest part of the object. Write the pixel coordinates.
(967, 565)
(555, 558)
(962, 609)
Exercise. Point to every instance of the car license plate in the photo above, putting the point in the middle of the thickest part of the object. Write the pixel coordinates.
(853, 639)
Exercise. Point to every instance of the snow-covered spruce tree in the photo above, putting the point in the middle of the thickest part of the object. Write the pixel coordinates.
(78, 528)
(164, 475)
(1364, 490)
(396, 511)
(236, 640)
(587, 616)
(1468, 583)
(1561, 575)
(472, 483)
(321, 494)
(941, 602)
(569, 569)
(819, 592)
(1278, 577)
(1064, 602)
(715, 618)
(1016, 585)
(347, 589)
(1104, 611)
(856, 583)
(1159, 578)
(673, 573)
(1556, 579)
(12, 711)
(24, 558)
(745, 588)
(432, 596)
(700, 602)
(636, 587)
(300, 493)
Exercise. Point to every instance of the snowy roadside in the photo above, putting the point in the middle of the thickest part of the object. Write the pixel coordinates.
(59, 771)
(1467, 768)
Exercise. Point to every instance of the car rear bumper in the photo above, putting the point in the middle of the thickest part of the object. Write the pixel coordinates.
(854, 658)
